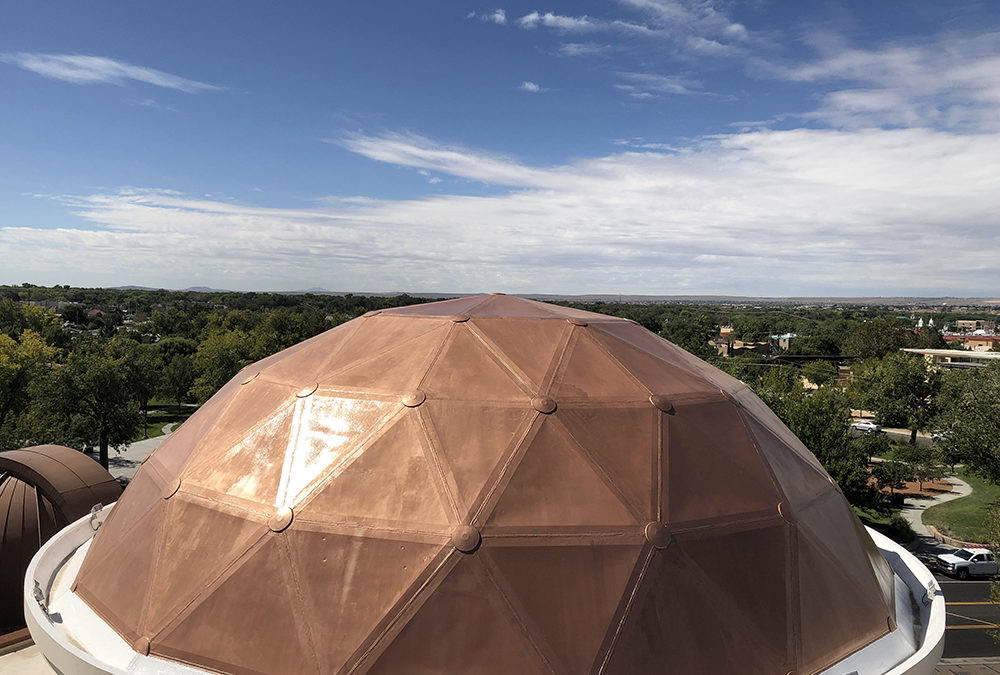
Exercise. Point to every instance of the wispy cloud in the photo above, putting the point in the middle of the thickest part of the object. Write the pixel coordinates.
(530, 87)
(79, 69)
(497, 16)
(824, 211)
(557, 21)
(583, 49)
(650, 85)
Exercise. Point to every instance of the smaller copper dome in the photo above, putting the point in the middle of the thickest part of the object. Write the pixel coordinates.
(42, 489)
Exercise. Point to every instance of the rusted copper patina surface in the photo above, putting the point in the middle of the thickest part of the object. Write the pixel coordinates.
(42, 489)
(487, 485)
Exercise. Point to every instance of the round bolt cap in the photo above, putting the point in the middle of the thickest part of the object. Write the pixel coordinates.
(172, 488)
(657, 534)
(251, 378)
(466, 538)
(662, 403)
(141, 645)
(459, 318)
(281, 519)
(414, 398)
(307, 391)
(544, 404)
(577, 322)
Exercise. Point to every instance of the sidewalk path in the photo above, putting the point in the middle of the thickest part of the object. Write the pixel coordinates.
(913, 510)
(126, 463)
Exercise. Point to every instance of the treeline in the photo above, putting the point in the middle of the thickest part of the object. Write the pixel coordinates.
(85, 376)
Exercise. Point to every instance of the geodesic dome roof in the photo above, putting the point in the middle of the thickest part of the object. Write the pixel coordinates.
(487, 485)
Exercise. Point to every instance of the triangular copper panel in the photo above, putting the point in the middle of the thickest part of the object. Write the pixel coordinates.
(831, 522)
(753, 406)
(714, 468)
(260, 592)
(354, 582)
(120, 598)
(466, 371)
(250, 469)
(837, 617)
(193, 531)
(252, 406)
(144, 492)
(589, 372)
(391, 480)
(444, 308)
(555, 486)
(884, 574)
(179, 446)
(374, 336)
(672, 626)
(510, 306)
(800, 480)
(327, 430)
(398, 369)
(473, 449)
(309, 357)
(569, 594)
(653, 344)
(625, 443)
(658, 376)
(530, 347)
(751, 595)
(470, 627)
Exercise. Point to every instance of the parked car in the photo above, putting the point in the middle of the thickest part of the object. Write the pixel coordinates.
(939, 436)
(967, 562)
(866, 427)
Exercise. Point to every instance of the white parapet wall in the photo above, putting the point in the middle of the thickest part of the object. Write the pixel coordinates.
(77, 642)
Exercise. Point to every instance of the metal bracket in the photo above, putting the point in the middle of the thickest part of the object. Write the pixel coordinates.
(96, 516)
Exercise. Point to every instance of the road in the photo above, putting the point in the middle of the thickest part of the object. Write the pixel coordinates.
(971, 617)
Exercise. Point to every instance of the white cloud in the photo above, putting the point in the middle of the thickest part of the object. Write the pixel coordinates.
(650, 85)
(497, 16)
(557, 21)
(804, 211)
(952, 82)
(583, 49)
(530, 86)
(79, 69)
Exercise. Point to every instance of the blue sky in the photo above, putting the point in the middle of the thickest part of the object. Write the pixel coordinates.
(637, 146)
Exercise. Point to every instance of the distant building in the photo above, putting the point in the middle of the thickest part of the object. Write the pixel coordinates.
(972, 341)
(783, 341)
(956, 358)
(971, 325)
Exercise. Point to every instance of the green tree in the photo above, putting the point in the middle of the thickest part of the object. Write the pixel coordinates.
(21, 362)
(969, 418)
(92, 400)
(892, 475)
(177, 379)
(219, 357)
(923, 464)
(876, 338)
(899, 389)
(819, 372)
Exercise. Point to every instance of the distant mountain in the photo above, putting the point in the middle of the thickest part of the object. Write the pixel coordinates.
(205, 289)
(133, 288)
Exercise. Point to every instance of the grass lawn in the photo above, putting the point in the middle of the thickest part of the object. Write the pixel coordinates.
(161, 416)
(963, 518)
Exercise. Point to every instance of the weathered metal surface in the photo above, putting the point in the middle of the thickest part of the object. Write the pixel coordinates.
(487, 485)
(42, 489)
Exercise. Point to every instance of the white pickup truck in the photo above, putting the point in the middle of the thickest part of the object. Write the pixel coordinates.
(968, 562)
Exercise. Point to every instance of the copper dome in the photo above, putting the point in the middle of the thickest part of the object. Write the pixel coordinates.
(487, 485)
(42, 490)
